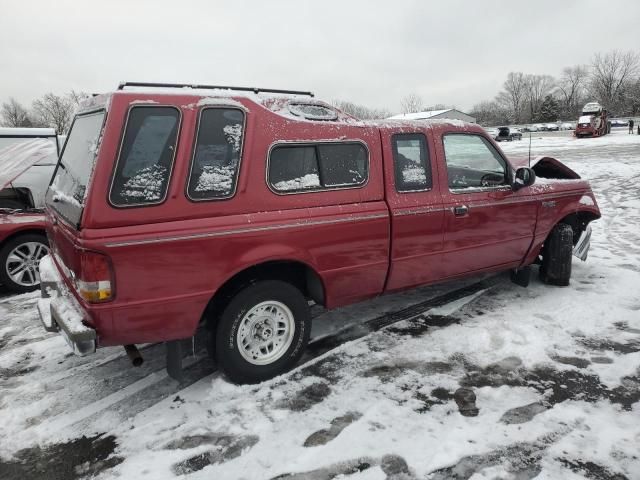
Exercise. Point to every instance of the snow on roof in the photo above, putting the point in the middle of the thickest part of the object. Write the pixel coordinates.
(429, 122)
(420, 115)
(592, 107)
(27, 132)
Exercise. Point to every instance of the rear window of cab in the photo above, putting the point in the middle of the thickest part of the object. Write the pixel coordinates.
(295, 168)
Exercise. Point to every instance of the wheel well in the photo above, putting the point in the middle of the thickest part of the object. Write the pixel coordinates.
(28, 231)
(298, 274)
(578, 222)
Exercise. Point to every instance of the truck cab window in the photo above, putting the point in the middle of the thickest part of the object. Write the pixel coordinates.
(411, 162)
(319, 166)
(472, 162)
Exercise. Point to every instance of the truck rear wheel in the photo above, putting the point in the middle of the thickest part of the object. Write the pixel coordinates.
(262, 332)
(19, 262)
(557, 254)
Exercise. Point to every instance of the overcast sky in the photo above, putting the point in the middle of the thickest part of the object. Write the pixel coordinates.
(369, 52)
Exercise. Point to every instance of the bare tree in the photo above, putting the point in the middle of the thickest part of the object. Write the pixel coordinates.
(77, 97)
(633, 98)
(14, 114)
(537, 88)
(490, 113)
(412, 103)
(611, 74)
(360, 111)
(514, 95)
(438, 106)
(572, 88)
(55, 111)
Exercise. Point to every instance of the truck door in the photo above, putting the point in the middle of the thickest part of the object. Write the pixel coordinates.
(486, 224)
(415, 204)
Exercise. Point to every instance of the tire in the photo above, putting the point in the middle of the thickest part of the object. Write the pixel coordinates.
(557, 254)
(262, 309)
(22, 246)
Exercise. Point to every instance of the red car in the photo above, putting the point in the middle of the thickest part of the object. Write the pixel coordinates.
(175, 208)
(27, 159)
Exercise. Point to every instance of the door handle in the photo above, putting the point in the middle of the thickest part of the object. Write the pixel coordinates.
(460, 210)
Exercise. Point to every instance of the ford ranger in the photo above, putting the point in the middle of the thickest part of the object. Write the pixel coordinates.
(175, 207)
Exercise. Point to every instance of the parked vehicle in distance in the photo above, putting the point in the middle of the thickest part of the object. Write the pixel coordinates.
(508, 134)
(619, 123)
(552, 127)
(540, 127)
(567, 126)
(28, 157)
(594, 121)
(174, 209)
(492, 132)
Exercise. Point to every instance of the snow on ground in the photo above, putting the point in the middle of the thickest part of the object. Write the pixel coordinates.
(500, 382)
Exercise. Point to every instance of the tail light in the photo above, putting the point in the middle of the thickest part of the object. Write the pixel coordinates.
(95, 279)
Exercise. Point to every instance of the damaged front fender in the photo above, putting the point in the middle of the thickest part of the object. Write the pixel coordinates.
(549, 167)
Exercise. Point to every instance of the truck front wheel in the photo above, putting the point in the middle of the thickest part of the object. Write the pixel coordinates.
(557, 254)
(262, 332)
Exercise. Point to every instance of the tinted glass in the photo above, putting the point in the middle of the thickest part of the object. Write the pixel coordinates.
(472, 162)
(67, 190)
(216, 156)
(313, 167)
(411, 162)
(342, 164)
(146, 158)
(294, 168)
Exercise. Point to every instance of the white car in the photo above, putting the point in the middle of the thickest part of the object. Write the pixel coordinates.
(27, 190)
(493, 132)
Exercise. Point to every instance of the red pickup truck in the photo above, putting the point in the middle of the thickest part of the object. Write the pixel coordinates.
(234, 209)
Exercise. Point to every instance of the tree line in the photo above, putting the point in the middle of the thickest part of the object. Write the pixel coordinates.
(50, 110)
(612, 79)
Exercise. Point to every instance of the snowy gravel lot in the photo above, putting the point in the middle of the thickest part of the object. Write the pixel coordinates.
(555, 373)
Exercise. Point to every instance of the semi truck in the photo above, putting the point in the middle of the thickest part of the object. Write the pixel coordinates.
(594, 121)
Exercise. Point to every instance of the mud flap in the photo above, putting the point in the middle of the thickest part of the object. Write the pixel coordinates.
(174, 359)
(521, 276)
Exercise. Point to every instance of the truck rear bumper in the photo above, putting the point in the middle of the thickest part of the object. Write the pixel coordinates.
(581, 249)
(60, 312)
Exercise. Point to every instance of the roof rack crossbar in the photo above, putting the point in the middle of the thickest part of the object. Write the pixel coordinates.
(123, 85)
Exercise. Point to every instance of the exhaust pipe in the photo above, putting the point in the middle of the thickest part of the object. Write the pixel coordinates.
(134, 355)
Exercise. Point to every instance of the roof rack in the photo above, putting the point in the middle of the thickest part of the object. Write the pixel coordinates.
(123, 85)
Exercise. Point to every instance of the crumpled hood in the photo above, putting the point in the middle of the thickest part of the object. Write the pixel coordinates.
(546, 167)
(18, 158)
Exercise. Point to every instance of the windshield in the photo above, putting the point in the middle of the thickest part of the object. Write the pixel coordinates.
(67, 190)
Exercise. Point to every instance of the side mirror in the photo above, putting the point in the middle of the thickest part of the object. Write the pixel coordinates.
(525, 177)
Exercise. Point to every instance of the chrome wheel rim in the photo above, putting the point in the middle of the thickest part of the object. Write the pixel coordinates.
(22, 265)
(265, 332)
